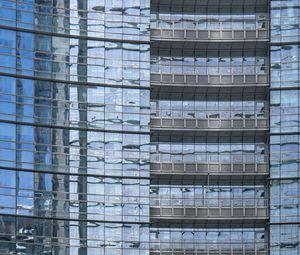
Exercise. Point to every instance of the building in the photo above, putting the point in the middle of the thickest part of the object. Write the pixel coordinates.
(149, 127)
(74, 127)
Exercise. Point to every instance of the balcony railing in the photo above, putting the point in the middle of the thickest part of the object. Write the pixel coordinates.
(201, 168)
(208, 208)
(173, 66)
(213, 79)
(207, 252)
(201, 247)
(214, 123)
(211, 29)
(220, 4)
(202, 202)
(205, 35)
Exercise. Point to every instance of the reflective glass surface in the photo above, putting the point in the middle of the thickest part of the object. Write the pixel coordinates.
(213, 106)
(212, 63)
(193, 238)
(211, 150)
(210, 20)
(187, 147)
(74, 127)
(61, 104)
(23, 235)
(284, 121)
(99, 19)
(285, 20)
(207, 196)
(73, 59)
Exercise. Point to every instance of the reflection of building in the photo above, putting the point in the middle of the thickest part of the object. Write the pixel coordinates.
(284, 128)
(107, 147)
(74, 127)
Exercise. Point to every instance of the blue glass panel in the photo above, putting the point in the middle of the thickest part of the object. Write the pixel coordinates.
(8, 13)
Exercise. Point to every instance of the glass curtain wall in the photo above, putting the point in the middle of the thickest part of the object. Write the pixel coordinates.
(203, 18)
(284, 122)
(74, 127)
(200, 127)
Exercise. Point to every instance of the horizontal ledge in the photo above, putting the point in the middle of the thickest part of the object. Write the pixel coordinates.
(220, 207)
(283, 178)
(185, 39)
(158, 178)
(168, 90)
(208, 174)
(284, 88)
(207, 252)
(186, 133)
(193, 45)
(212, 222)
(210, 41)
(285, 223)
(214, 85)
(192, 4)
(172, 129)
(217, 176)
(205, 218)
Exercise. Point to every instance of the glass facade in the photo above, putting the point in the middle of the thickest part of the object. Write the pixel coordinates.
(284, 124)
(74, 139)
(209, 150)
(208, 21)
(212, 63)
(192, 238)
(149, 127)
(210, 111)
(214, 106)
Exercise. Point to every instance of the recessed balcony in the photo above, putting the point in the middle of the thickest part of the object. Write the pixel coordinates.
(209, 210)
(184, 238)
(194, 4)
(200, 247)
(212, 124)
(238, 67)
(211, 26)
(207, 252)
(210, 159)
(161, 79)
(217, 173)
(208, 35)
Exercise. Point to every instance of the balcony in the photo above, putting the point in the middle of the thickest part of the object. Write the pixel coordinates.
(202, 248)
(204, 210)
(210, 124)
(187, 4)
(234, 79)
(214, 158)
(207, 252)
(190, 239)
(238, 67)
(208, 35)
(215, 27)
(218, 173)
